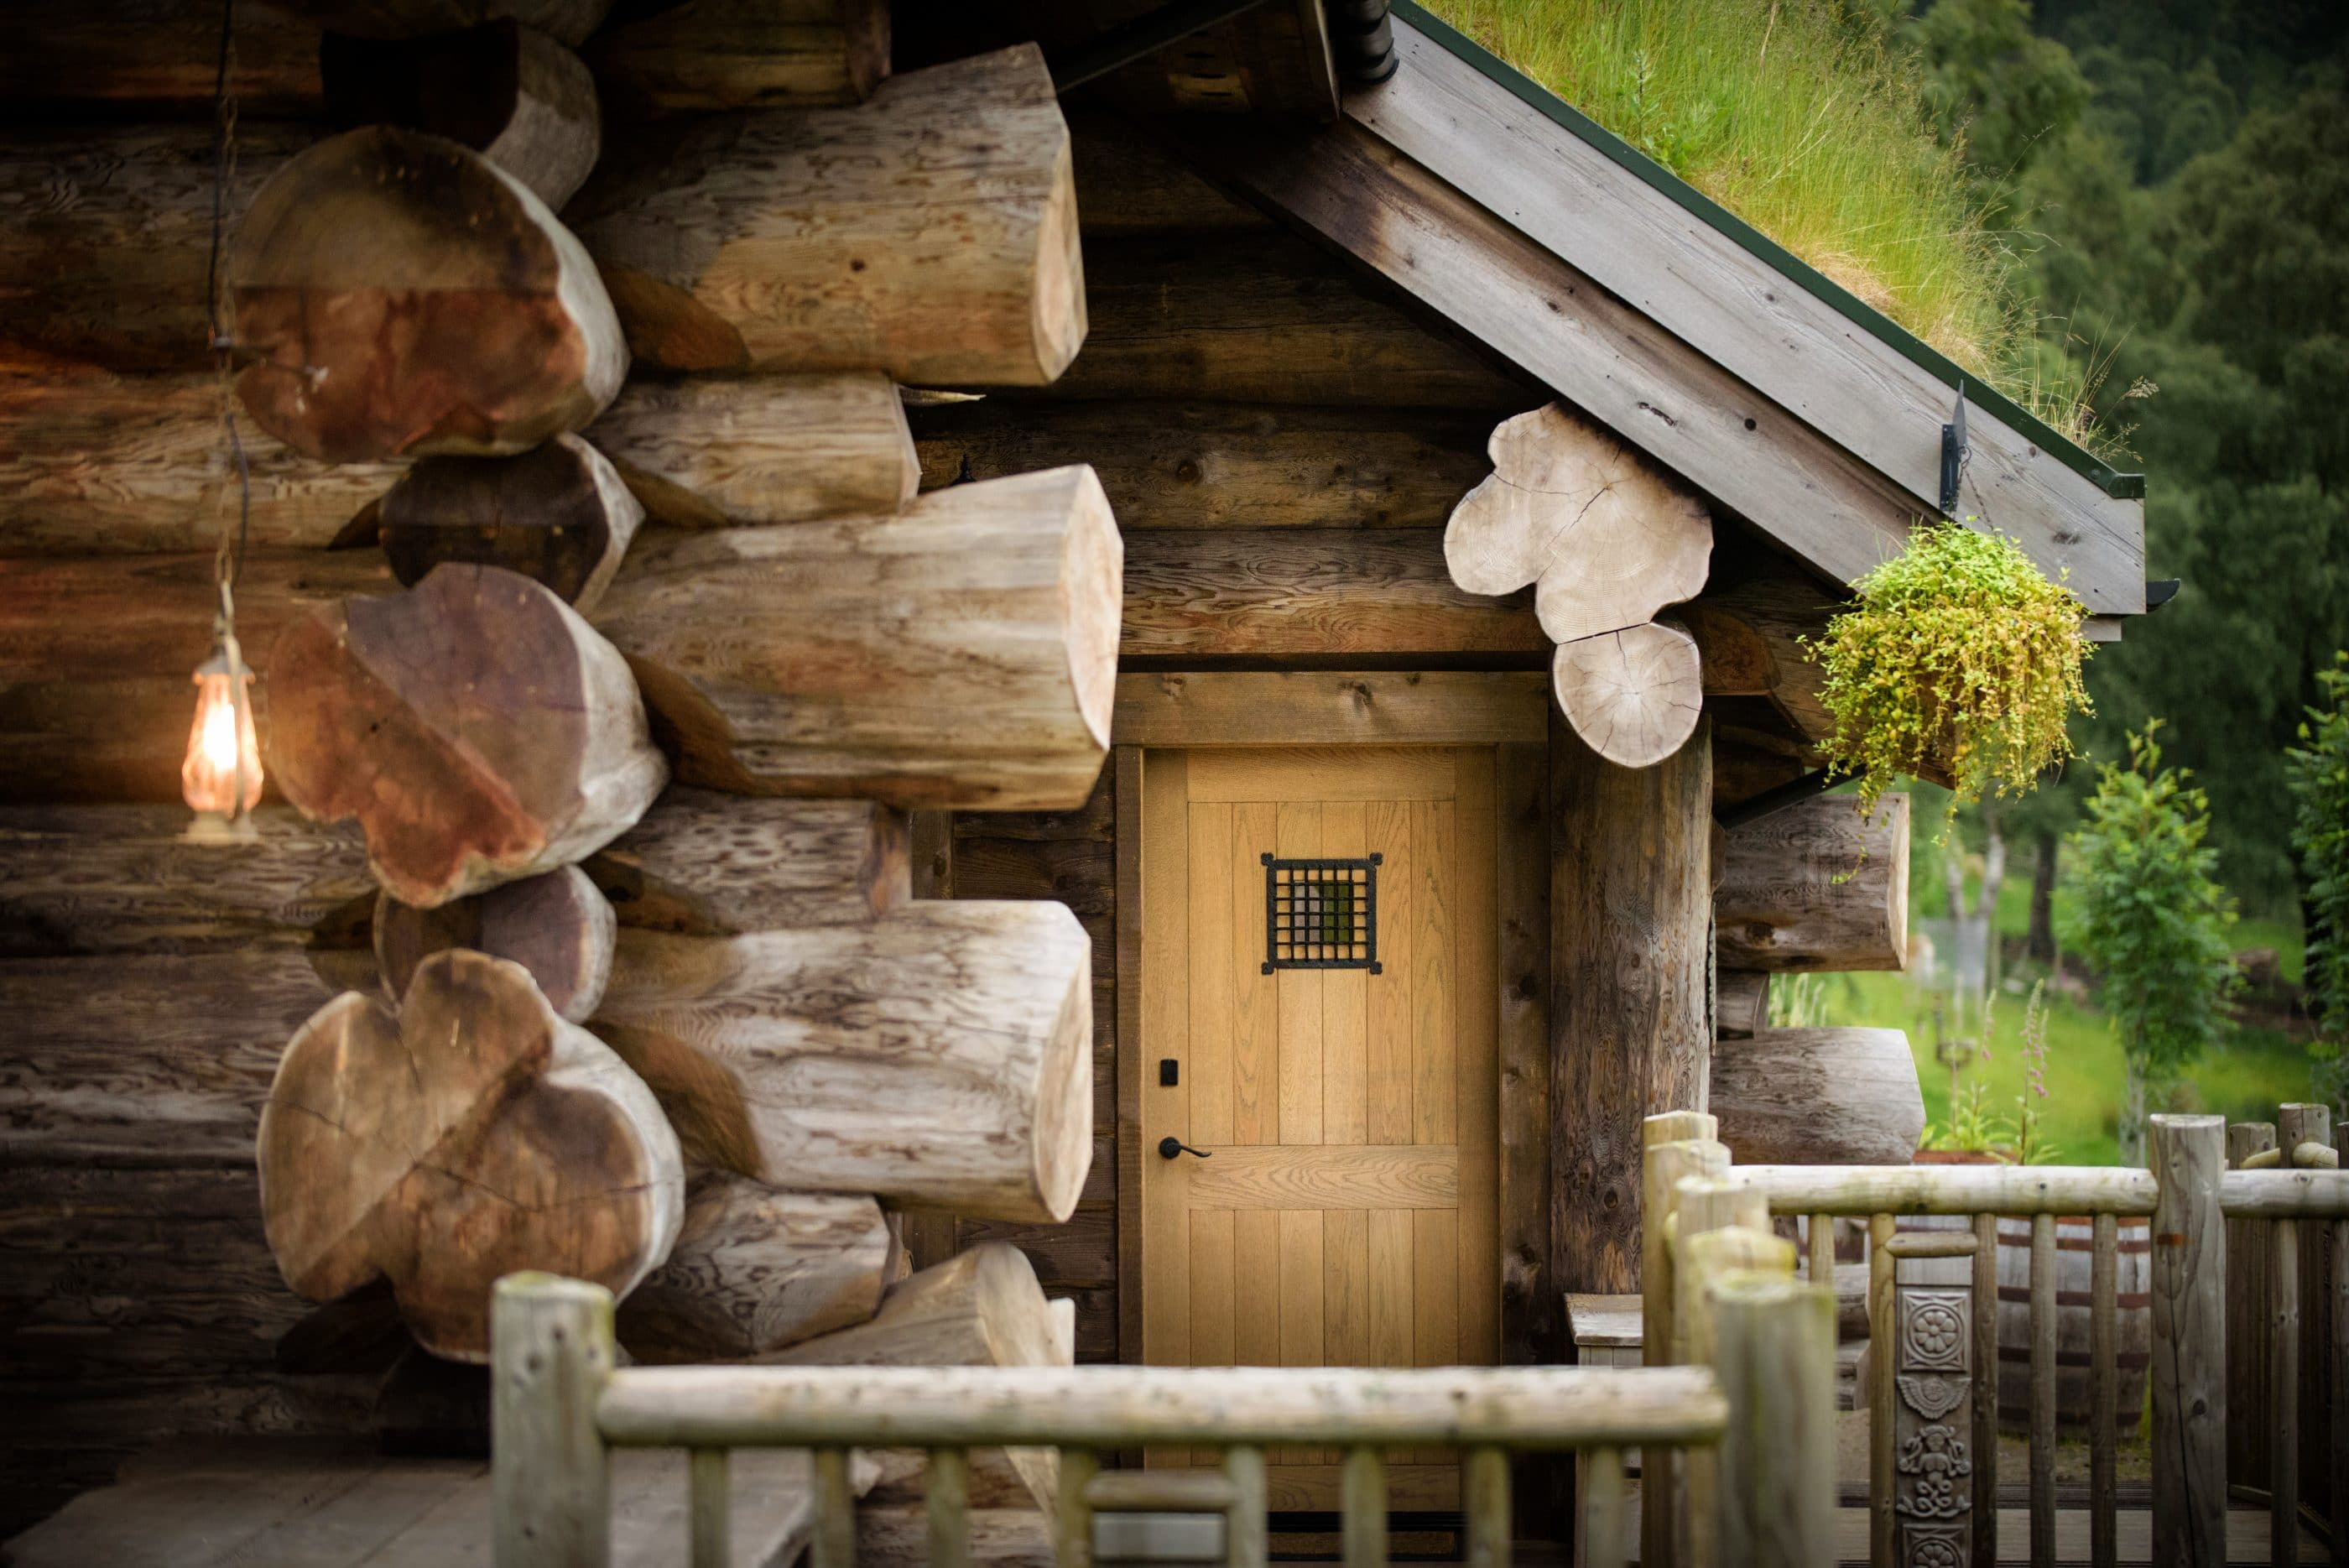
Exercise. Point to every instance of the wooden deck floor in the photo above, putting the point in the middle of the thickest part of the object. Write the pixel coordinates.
(276, 1504)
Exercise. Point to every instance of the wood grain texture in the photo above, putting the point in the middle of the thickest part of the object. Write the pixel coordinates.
(755, 1268)
(962, 653)
(469, 323)
(708, 55)
(140, 196)
(1264, 319)
(1815, 886)
(145, 1059)
(93, 462)
(568, 20)
(929, 232)
(1629, 915)
(2189, 1305)
(1741, 1003)
(1752, 634)
(1818, 1096)
(1706, 288)
(704, 864)
(1340, 1177)
(478, 729)
(982, 1308)
(80, 879)
(1221, 465)
(732, 450)
(1219, 592)
(1587, 344)
(154, 60)
(1312, 708)
(1532, 1330)
(473, 1134)
(1603, 537)
(822, 1057)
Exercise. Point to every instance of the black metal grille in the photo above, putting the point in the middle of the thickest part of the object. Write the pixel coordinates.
(1321, 914)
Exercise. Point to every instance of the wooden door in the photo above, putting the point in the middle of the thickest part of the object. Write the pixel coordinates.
(1342, 1211)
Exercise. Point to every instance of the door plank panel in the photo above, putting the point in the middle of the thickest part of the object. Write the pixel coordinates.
(1209, 1064)
(1345, 1000)
(1256, 1287)
(1346, 1288)
(1212, 1342)
(1298, 832)
(1256, 999)
(1284, 1177)
(1434, 1070)
(1302, 1342)
(1321, 773)
(1392, 1281)
(1475, 938)
(1165, 1027)
(1388, 1041)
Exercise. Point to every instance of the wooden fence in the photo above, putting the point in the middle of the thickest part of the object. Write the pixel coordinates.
(1932, 1383)
(560, 1404)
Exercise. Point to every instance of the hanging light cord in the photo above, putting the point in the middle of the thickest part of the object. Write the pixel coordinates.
(230, 564)
(228, 560)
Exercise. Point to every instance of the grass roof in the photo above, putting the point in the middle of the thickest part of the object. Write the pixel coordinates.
(1794, 115)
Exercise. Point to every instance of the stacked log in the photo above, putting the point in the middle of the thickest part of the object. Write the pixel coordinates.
(1811, 886)
(586, 926)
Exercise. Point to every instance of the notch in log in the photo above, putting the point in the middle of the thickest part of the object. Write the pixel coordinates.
(507, 90)
(558, 514)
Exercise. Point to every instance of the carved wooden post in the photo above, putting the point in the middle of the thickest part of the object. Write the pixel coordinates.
(2189, 1340)
(1930, 1349)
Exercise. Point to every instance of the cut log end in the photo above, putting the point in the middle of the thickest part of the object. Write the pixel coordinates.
(478, 729)
(1818, 1096)
(557, 927)
(1606, 538)
(468, 1134)
(559, 515)
(1634, 696)
(403, 296)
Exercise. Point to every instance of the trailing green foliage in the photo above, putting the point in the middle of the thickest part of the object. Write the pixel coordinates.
(2152, 921)
(1960, 657)
(2319, 777)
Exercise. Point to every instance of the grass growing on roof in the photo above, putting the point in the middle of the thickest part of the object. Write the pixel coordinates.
(1795, 115)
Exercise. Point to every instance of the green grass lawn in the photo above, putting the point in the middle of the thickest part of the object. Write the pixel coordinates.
(2245, 1080)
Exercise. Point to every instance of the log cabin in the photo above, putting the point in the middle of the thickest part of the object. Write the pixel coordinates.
(1097, 680)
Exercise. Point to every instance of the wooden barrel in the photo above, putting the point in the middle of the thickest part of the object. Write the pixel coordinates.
(2133, 1336)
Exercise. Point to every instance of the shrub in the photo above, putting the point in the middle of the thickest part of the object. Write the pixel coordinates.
(2152, 921)
(2318, 774)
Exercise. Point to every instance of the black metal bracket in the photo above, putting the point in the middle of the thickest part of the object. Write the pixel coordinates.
(2159, 591)
(1954, 455)
(1144, 35)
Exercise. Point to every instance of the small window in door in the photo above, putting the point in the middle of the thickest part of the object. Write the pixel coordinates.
(1321, 914)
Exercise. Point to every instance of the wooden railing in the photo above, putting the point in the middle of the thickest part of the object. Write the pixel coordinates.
(560, 1403)
(1932, 1383)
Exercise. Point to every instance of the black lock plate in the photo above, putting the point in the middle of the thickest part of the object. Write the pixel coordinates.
(1168, 1074)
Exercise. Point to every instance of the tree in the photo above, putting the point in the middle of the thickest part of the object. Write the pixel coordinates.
(2152, 921)
(2318, 772)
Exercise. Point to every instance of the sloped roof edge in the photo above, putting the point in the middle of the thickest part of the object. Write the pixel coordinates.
(1713, 214)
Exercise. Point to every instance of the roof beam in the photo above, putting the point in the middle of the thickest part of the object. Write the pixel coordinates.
(1704, 278)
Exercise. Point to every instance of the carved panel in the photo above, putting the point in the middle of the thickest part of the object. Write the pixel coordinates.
(1933, 1469)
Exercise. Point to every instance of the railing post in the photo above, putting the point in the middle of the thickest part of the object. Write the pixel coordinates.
(551, 1351)
(1703, 1260)
(1677, 1144)
(2190, 1342)
(1775, 1354)
(1245, 1524)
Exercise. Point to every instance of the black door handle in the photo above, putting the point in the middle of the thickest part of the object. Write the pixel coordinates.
(1168, 1147)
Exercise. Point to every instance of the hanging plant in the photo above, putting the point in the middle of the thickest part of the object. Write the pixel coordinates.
(1961, 662)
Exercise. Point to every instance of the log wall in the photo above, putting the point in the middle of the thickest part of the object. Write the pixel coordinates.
(1281, 444)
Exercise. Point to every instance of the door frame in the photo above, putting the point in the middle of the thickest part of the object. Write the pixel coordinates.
(1508, 710)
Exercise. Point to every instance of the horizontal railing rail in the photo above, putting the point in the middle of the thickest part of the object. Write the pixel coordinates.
(561, 1405)
(1932, 1371)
